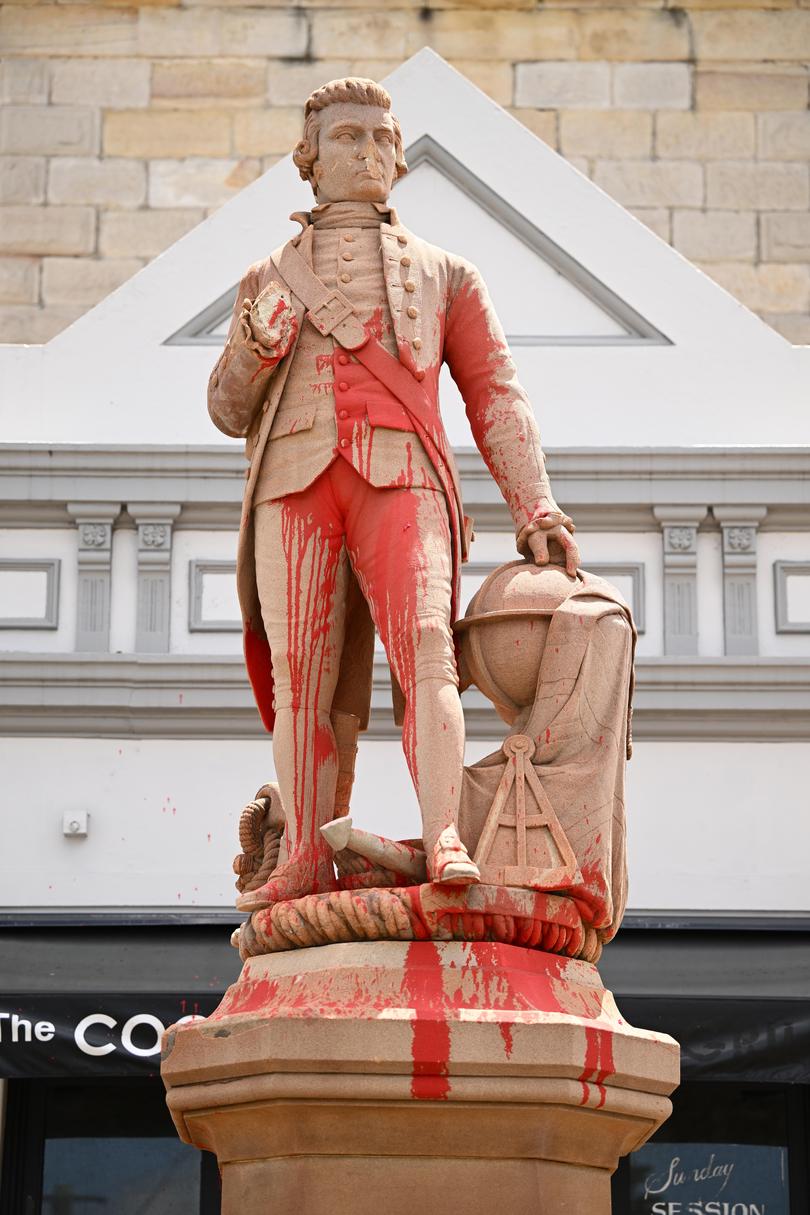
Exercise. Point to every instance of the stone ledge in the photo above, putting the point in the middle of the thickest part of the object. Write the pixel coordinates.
(606, 489)
(207, 696)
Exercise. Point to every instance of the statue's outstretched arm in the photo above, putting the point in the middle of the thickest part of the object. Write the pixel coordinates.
(502, 420)
(263, 330)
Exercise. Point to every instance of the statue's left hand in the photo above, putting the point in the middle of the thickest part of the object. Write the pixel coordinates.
(538, 542)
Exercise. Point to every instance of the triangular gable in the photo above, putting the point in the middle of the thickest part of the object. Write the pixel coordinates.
(570, 306)
(664, 357)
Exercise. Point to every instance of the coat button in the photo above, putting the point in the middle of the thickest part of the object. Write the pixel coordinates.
(403, 240)
(348, 236)
(405, 261)
(343, 386)
(412, 313)
(347, 257)
(344, 442)
(420, 375)
(410, 286)
(345, 278)
(343, 358)
(344, 413)
(417, 343)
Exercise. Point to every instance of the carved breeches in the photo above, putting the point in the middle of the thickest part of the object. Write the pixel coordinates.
(397, 542)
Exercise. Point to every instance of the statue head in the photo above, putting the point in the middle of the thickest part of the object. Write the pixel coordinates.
(351, 149)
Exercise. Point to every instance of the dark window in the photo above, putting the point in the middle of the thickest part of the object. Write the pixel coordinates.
(97, 1147)
(727, 1148)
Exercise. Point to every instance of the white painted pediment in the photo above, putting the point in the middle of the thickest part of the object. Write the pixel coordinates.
(618, 339)
(543, 296)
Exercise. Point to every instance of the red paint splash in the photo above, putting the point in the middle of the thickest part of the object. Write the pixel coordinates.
(430, 1044)
(537, 982)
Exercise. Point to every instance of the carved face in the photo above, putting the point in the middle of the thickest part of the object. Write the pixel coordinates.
(356, 154)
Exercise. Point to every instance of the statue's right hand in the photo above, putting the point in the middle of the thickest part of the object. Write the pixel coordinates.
(273, 321)
(539, 544)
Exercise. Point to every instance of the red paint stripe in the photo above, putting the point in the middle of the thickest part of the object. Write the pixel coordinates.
(430, 1043)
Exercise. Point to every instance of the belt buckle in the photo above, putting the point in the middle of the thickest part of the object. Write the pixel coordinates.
(330, 312)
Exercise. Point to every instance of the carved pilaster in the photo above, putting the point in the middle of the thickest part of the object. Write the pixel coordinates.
(740, 524)
(154, 524)
(679, 525)
(94, 522)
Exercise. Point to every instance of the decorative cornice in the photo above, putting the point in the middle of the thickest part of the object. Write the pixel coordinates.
(191, 696)
(606, 488)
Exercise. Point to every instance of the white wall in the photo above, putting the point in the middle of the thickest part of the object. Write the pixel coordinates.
(163, 816)
(719, 825)
(711, 825)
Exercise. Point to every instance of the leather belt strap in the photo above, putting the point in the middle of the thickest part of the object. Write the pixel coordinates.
(329, 311)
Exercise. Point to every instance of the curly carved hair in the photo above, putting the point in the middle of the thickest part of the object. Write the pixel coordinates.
(350, 88)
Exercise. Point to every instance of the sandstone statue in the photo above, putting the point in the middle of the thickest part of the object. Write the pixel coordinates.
(353, 515)
(417, 1023)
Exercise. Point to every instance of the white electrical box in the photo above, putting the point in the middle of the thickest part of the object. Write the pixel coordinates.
(75, 823)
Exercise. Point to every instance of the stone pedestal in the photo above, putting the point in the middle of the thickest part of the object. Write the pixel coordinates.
(396, 1078)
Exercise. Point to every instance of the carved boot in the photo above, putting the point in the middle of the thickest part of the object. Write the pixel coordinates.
(306, 872)
(450, 862)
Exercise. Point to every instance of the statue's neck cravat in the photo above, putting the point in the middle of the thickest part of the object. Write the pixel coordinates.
(349, 215)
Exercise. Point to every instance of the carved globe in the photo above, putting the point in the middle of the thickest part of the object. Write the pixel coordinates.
(503, 633)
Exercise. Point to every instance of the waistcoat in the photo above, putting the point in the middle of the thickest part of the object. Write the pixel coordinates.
(332, 407)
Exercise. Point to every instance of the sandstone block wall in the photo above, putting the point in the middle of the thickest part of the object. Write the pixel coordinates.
(123, 126)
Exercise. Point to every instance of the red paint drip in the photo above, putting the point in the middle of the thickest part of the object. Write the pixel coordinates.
(430, 1045)
(311, 565)
(598, 1063)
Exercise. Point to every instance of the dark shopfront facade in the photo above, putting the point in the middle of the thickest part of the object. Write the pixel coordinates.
(86, 1129)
